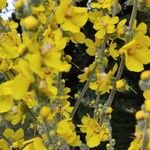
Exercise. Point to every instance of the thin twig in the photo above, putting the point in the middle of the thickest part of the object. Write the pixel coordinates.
(96, 105)
(118, 76)
(83, 91)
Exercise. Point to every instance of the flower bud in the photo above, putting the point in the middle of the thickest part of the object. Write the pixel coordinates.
(45, 111)
(108, 110)
(30, 23)
(139, 115)
(19, 5)
(145, 75)
(147, 105)
(120, 85)
(52, 133)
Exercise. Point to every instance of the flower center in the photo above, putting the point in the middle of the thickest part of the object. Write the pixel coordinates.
(104, 24)
(96, 130)
(68, 13)
(132, 50)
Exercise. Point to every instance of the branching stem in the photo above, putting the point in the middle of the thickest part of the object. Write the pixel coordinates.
(84, 91)
(122, 62)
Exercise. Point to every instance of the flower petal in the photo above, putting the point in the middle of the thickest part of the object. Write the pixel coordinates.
(133, 64)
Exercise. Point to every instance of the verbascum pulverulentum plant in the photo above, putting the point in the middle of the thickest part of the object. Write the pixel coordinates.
(32, 63)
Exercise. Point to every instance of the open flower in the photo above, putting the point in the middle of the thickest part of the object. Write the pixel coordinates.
(105, 24)
(94, 132)
(66, 130)
(103, 83)
(103, 4)
(69, 17)
(16, 137)
(137, 53)
(35, 144)
(2, 4)
(92, 46)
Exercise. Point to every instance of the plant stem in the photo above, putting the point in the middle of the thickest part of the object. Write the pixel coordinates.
(133, 15)
(122, 62)
(96, 105)
(59, 84)
(114, 11)
(46, 130)
(83, 91)
(102, 70)
(118, 76)
(145, 136)
(131, 22)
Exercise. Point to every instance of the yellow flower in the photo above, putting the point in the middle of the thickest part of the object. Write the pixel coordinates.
(137, 142)
(103, 4)
(4, 145)
(53, 60)
(145, 75)
(103, 83)
(45, 111)
(87, 72)
(47, 114)
(9, 45)
(71, 18)
(29, 99)
(121, 85)
(11, 25)
(147, 105)
(20, 81)
(48, 87)
(34, 144)
(120, 29)
(16, 115)
(30, 23)
(139, 115)
(35, 62)
(19, 5)
(141, 28)
(16, 138)
(112, 50)
(137, 53)
(66, 110)
(6, 103)
(94, 132)
(105, 24)
(78, 37)
(36, 9)
(148, 3)
(93, 15)
(2, 4)
(66, 130)
(146, 94)
(92, 46)
(53, 40)
(4, 65)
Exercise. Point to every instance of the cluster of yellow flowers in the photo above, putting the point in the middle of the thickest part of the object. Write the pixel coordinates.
(32, 63)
